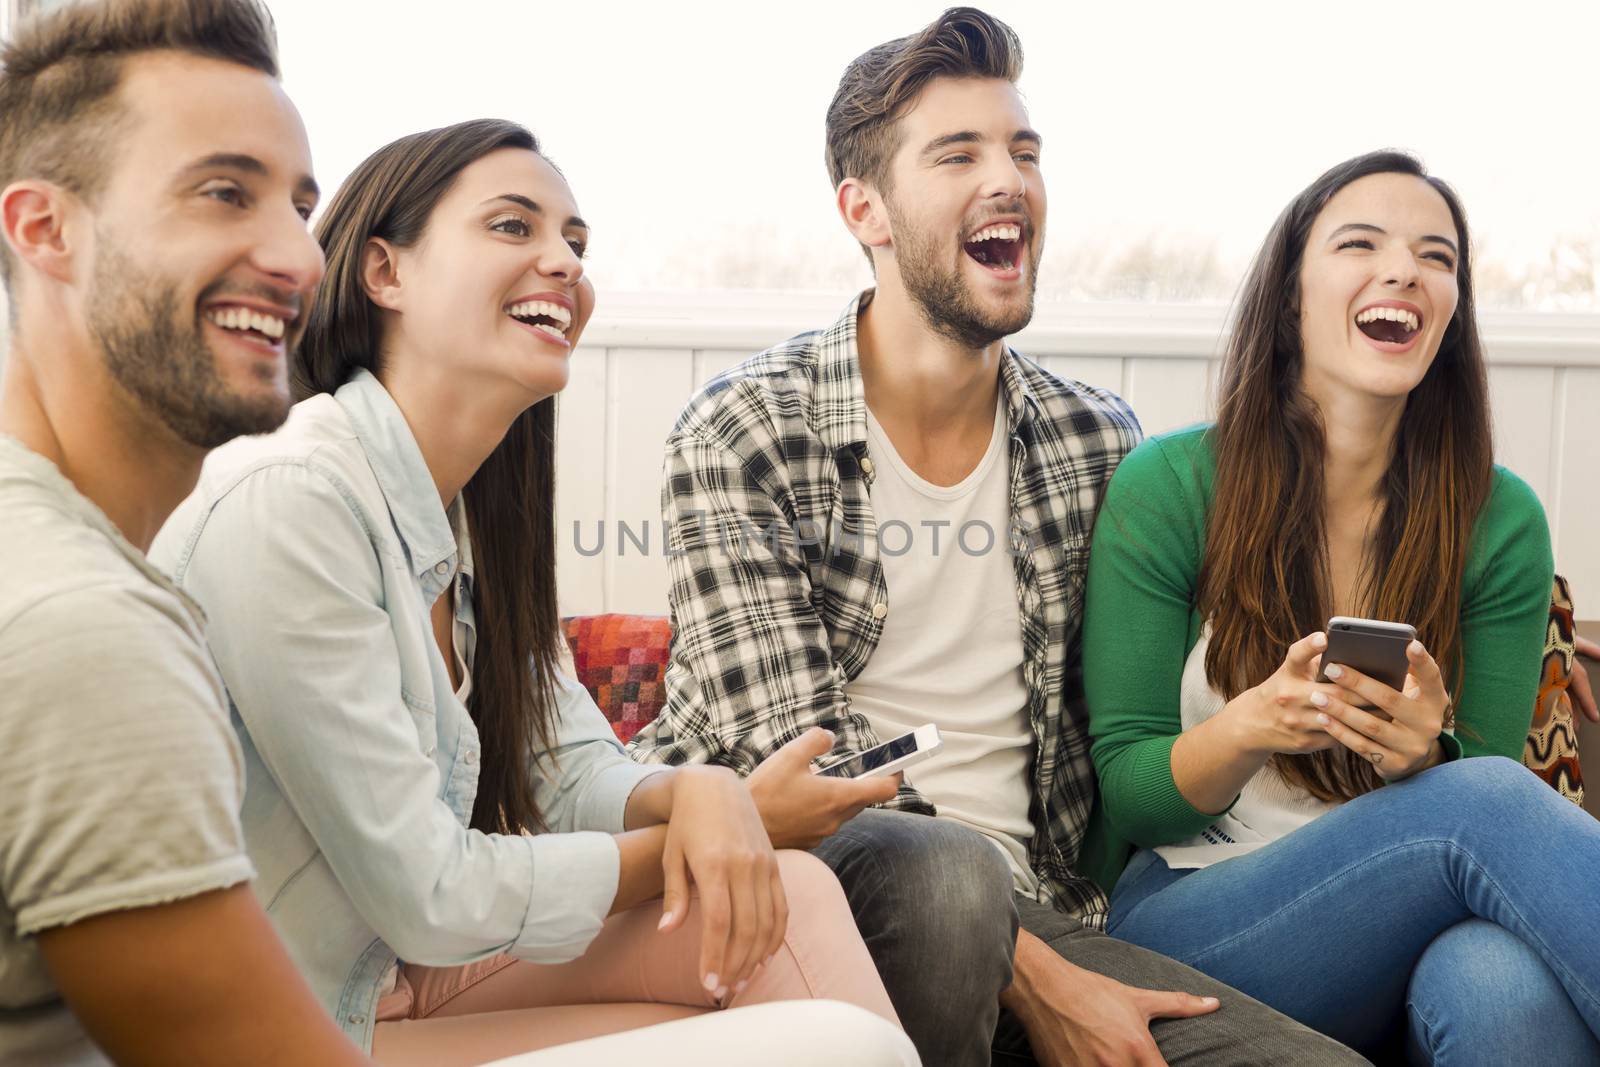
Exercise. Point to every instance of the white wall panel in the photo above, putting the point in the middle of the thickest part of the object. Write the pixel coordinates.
(1103, 371)
(583, 466)
(623, 399)
(1522, 401)
(648, 389)
(1168, 394)
(1576, 517)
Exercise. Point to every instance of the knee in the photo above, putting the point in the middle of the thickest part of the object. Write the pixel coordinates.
(813, 891)
(958, 882)
(1490, 783)
(1479, 987)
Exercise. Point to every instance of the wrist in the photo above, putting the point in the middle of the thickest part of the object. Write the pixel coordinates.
(1233, 724)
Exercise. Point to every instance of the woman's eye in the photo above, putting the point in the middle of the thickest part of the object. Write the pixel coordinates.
(514, 226)
(1441, 257)
(1356, 242)
(1027, 157)
(577, 246)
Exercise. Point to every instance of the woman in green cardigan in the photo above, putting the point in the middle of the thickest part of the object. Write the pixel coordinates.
(1348, 867)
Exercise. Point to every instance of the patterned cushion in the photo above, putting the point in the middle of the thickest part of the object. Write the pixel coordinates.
(1551, 751)
(621, 660)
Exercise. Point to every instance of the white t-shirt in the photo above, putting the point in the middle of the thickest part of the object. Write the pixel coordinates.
(951, 650)
(120, 777)
(1267, 808)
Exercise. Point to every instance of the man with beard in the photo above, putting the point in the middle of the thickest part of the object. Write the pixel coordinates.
(156, 183)
(885, 524)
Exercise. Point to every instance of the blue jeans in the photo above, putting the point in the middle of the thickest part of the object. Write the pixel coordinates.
(1462, 905)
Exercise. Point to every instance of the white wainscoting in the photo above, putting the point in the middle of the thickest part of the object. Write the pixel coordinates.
(643, 357)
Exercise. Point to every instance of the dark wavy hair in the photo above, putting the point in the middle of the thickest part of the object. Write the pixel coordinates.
(510, 501)
(1264, 578)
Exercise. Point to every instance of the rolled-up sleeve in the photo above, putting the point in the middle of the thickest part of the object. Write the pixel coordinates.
(310, 643)
(585, 783)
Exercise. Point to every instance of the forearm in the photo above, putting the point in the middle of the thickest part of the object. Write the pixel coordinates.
(1212, 761)
(1035, 969)
(640, 876)
(650, 803)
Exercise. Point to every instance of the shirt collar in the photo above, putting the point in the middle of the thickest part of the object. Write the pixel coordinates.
(47, 475)
(841, 398)
(396, 460)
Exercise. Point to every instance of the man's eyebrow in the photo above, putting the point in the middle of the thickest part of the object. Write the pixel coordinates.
(945, 141)
(248, 164)
(533, 206)
(974, 137)
(1367, 227)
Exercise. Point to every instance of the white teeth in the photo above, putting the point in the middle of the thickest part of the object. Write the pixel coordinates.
(1401, 315)
(551, 330)
(237, 318)
(997, 232)
(530, 308)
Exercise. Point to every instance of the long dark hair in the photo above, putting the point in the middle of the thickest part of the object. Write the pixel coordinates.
(1264, 581)
(509, 501)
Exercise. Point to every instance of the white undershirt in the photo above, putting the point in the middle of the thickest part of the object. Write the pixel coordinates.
(951, 649)
(1267, 808)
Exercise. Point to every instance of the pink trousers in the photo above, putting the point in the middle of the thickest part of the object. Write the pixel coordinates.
(631, 976)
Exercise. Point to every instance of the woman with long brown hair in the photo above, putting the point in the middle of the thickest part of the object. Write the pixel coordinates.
(1329, 847)
(423, 785)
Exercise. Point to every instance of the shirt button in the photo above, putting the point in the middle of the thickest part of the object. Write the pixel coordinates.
(471, 758)
(866, 465)
(357, 1020)
(879, 610)
(442, 567)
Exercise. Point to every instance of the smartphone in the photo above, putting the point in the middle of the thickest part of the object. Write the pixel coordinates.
(891, 756)
(1377, 649)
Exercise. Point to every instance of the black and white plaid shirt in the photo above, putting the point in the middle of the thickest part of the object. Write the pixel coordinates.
(777, 592)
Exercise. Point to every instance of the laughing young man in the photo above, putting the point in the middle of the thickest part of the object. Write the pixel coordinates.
(156, 182)
(886, 523)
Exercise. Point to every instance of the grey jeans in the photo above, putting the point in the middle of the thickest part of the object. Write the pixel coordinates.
(935, 906)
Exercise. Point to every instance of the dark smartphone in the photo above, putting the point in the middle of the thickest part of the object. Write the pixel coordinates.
(1376, 649)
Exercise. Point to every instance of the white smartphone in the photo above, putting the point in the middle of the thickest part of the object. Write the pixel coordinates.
(891, 756)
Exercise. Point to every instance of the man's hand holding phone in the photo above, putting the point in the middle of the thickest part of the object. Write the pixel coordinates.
(801, 808)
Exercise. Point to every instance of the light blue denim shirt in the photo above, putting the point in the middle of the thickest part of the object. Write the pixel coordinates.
(317, 552)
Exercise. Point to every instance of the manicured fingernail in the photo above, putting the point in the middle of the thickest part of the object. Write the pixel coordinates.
(1333, 670)
(722, 992)
(1319, 699)
(1208, 1001)
(1319, 640)
(1415, 648)
(711, 983)
(741, 987)
(666, 917)
(1322, 719)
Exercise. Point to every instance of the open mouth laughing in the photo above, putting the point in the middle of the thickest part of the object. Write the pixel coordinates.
(997, 246)
(264, 328)
(1390, 324)
(544, 316)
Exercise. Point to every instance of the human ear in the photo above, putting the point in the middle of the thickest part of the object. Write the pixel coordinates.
(863, 211)
(380, 274)
(41, 224)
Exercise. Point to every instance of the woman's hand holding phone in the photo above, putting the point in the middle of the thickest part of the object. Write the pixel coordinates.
(1280, 714)
(1401, 738)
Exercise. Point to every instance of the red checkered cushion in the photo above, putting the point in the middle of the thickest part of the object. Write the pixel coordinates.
(621, 660)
